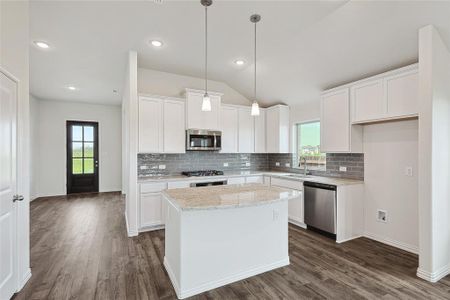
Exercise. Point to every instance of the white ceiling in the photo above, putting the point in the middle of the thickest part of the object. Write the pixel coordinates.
(304, 46)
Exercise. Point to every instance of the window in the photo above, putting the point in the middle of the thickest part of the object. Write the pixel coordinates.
(308, 147)
(82, 149)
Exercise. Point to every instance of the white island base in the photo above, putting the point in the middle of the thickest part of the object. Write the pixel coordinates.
(211, 247)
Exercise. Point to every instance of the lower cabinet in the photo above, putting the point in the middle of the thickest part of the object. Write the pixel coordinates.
(254, 179)
(236, 180)
(151, 206)
(295, 206)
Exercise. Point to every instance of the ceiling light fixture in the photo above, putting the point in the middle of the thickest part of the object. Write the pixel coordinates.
(255, 107)
(239, 62)
(72, 88)
(156, 43)
(41, 44)
(206, 103)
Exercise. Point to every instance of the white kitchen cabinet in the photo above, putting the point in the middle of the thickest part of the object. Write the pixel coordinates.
(236, 180)
(151, 206)
(296, 205)
(277, 129)
(260, 131)
(229, 120)
(254, 179)
(174, 127)
(150, 125)
(246, 132)
(178, 185)
(367, 100)
(198, 119)
(402, 94)
(336, 132)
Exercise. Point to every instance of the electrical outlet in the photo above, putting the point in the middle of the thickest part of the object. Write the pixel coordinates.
(247, 164)
(143, 167)
(277, 164)
(382, 216)
(287, 165)
(276, 214)
(225, 164)
(342, 169)
(162, 167)
(409, 171)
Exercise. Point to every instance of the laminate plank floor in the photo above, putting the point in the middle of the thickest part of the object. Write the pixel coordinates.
(80, 250)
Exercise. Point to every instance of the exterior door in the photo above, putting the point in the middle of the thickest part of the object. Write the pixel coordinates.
(82, 157)
(8, 187)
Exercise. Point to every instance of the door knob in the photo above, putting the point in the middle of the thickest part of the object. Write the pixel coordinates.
(18, 198)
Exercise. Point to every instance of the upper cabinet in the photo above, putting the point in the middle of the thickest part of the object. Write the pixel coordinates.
(260, 131)
(229, 119)
(246, 131)
(277, 129)
(336, 132)
(387, 96)
(198, 119)
(161, 125)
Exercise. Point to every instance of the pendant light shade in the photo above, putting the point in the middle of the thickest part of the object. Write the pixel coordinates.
(255, 106)
(206, 103)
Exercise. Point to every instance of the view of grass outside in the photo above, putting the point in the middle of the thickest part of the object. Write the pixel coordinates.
(308, 146)
(82, 150)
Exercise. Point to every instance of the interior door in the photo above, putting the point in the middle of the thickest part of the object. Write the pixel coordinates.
(82, 157)
(8, 120)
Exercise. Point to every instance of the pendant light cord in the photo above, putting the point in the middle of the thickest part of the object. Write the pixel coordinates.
(206, 49)
(254, 91)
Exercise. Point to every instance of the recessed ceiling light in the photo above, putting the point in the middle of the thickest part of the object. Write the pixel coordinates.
(156, 43)
(239, 62)
(72, 88)
(42, 44)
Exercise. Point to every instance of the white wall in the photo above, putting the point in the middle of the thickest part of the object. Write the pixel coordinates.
(388, 149)
(307, 112)
(434, 155)
(14, 57)
(174, 85)
(34, 147)
(50, 178)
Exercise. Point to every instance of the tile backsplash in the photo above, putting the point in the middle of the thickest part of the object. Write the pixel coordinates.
(171, 164)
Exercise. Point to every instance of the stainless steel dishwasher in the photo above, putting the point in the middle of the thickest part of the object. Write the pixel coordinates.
(320, 207)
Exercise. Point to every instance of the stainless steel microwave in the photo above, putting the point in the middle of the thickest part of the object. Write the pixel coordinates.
(200, 139)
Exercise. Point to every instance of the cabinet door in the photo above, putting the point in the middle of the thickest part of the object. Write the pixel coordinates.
(174, 127)
(151, 211)
(402, 92)
(246, 131)
(295, 209)
(368, 101)
(198, 119)
(272, 131)
(260, 132)
(150, 125)
(229, 119)
(335, 122)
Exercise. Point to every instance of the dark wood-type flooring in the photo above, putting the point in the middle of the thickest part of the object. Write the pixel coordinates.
(80, 250)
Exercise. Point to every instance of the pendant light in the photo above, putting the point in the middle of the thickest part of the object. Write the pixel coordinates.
(206, 103)
(255, 107)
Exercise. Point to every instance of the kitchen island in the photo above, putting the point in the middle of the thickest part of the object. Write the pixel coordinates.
(221, 234)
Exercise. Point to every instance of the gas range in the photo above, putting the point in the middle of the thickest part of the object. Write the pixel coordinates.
(202, 173)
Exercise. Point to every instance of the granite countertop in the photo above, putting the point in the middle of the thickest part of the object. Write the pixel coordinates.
(282, 175)
(227, 196)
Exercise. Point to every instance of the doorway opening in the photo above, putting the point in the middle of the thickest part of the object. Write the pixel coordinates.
(82, 157)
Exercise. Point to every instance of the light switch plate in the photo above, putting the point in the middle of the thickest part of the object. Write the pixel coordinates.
(287, 165)
(342, 169)
(277, 164)
(143, 167)
(409, 171)
(247, 164)
(162, 167)
(225, 164)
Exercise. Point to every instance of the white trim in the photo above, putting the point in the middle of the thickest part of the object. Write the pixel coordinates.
(218, 283)
(160, 97)
(211, 93)
(434, 276)
(348, 239)
(297, 223)
(24, 280)
(393, 243)
(130, 233)
(151, 228)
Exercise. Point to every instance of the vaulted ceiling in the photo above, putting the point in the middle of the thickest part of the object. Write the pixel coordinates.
(303, 46)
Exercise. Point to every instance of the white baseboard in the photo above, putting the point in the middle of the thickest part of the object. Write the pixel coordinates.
(434, 276)
(130, 233)
(393, 243)
(221, 282)
(348, 239)
(24, 280)
(151, 228)
(299, 224)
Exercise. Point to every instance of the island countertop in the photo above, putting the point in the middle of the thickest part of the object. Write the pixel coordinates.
(227, 196)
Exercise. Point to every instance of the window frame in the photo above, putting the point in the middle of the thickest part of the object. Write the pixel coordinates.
(295, 161)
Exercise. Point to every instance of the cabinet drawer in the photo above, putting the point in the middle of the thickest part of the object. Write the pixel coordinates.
(236, 180)
(254, 179)
(178, 185)
(290, 184)
(153, 187)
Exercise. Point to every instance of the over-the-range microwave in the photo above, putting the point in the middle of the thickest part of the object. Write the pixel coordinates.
(200, 139)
